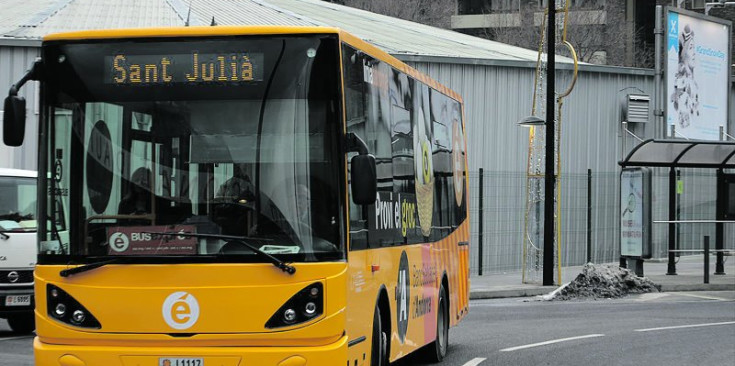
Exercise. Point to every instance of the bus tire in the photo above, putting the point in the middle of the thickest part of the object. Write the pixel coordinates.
(379, 351)
(23, 324)
(435, 351)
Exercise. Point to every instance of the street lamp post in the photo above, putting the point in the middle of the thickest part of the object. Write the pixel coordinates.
(549, 174)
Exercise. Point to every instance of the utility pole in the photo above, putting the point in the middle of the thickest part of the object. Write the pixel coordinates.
(549, 176)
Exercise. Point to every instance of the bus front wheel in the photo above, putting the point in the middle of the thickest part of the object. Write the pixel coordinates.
(379, 353)
(435, 351)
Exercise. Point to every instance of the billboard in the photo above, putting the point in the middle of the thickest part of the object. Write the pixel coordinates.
(697, 74)
(635, 213)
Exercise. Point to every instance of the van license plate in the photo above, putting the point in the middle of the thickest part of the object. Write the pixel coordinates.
(176, 361)
(18, 300)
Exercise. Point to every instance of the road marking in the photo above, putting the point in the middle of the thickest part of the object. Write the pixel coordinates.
(474, 362)
(11, 338)
(702, 296)
(651, 296)
(551, 342)
(684, 326)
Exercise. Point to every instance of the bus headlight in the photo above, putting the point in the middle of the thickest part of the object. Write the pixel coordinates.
(310, 309)
(78, 316)
(60, 310)
(64, 308)
(304, 306)
(289, 315)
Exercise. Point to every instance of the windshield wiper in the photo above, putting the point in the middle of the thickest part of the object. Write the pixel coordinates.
(283, 266)
(87, 267)
(4, 235)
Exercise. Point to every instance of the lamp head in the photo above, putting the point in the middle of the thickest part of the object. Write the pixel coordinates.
(531, 121)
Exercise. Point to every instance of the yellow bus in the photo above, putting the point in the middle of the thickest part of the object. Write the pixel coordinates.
(243, 196)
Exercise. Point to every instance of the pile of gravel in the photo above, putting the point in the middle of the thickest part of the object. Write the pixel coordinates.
(602, 281)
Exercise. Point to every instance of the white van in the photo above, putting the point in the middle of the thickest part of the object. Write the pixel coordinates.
(17, 247)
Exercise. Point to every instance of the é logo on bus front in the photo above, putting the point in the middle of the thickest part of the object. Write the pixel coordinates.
(180, 310)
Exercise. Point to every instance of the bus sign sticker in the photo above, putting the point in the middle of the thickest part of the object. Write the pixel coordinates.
(144, 240)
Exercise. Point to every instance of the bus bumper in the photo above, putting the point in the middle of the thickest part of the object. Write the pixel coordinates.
(65, 355)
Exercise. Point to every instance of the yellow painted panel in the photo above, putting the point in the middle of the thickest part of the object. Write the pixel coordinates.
(109, 355)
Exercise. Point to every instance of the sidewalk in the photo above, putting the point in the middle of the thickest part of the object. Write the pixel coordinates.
(689, 277)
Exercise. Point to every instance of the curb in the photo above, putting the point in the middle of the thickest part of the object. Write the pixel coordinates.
(537, 291)
(500, 294)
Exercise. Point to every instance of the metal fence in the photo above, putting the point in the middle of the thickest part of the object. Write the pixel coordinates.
(503, 215)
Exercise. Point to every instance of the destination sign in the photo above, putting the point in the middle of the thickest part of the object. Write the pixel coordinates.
(193, 68)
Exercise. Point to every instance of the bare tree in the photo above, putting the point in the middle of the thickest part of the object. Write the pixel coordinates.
(597, 29)
(436, 13)
(526, 36)
(599, 33)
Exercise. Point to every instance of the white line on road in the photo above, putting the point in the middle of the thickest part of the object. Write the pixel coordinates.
(474, 362)
(703, 296)
(11, 338)
(551, 342)
(684, 326)
(651, 296)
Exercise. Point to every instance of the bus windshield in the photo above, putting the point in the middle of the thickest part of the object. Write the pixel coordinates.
(233, 137)
(17, 204)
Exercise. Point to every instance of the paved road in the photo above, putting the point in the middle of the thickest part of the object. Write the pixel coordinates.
(15, 349)
(684, 328)
(607, 332)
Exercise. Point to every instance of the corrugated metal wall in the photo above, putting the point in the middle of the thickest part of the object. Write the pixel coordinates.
(496, 97)
(14, 61)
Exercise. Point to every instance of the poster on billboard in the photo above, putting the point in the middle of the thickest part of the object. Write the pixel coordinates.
(635, 208)
(697, 74)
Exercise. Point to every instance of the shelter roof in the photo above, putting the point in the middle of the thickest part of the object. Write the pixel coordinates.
(682, 154)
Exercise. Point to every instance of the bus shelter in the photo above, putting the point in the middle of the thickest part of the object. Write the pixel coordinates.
(673, 154)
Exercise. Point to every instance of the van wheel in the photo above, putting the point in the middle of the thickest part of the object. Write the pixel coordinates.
(25, 323)
(379, 353)
(435, 351)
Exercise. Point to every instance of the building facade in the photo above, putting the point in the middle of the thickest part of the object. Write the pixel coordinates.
(611, 32)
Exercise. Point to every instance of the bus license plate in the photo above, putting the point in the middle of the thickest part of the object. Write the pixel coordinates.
(18, 300)
(177, 361)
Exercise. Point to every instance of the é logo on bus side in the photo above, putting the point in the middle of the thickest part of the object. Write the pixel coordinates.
(402, 297)
(180, 310)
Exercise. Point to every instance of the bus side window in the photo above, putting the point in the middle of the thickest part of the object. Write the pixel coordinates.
(444, 200)
(355, 112)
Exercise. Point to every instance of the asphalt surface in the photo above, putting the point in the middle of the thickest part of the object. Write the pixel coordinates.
(15, 349)
(511, 331)
(636, 330)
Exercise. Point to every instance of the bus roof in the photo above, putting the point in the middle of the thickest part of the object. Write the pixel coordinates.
(187, 32)
(208, 31)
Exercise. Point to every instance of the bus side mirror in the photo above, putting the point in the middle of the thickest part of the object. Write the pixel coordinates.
(14, 120)
(14, 116)
(363, 179)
